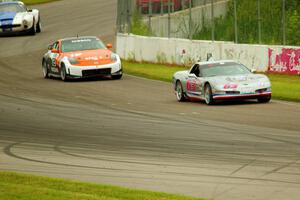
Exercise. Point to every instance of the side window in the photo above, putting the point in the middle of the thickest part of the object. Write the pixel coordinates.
(200, 71)
(195, 70)
(55, 45)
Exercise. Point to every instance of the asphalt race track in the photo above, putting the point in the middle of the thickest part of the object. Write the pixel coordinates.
(132, 132)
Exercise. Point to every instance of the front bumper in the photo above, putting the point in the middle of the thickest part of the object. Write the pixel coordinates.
(241, 96)
(93, 71)
(14, 28)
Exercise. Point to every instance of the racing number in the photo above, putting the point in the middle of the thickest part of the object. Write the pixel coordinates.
(191, 85)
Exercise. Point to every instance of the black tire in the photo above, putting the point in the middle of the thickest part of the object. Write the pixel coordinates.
(264, 99)
(32, 31)
(63, 73)
(208, 95)
(39, 26)
(45, 69)
(116, 77)
(179, 92)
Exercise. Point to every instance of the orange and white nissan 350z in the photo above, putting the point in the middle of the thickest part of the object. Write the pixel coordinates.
(81, 57)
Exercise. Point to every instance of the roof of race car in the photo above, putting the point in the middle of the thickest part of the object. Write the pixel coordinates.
(80, 37)
(216, 62)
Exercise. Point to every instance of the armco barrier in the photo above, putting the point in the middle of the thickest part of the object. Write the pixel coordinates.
(281, 59)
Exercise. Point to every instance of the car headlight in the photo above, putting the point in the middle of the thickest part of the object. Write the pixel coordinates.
(73, 61)
(113, 57)
(25, 22)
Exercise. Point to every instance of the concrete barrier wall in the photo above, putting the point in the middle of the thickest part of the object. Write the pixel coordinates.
(180, 20)
(263, 58)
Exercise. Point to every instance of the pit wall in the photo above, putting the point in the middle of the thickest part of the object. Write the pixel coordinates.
(263, 58)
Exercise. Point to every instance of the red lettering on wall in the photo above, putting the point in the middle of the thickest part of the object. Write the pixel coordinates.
(287, 61)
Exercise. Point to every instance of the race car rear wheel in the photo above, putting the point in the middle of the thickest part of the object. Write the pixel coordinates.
(63, 73)
(208, 95)
(264, 99)
(116, 77)
(179, 92)
(45, 69)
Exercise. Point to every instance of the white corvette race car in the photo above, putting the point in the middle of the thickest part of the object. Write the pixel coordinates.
(15, 17)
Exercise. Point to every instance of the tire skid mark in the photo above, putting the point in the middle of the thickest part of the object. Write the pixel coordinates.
(8, 151)
(172, 119)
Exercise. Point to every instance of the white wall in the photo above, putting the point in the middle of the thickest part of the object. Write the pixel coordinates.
(183, 51)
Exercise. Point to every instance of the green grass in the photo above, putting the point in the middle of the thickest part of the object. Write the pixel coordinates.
(32, 2)
(15, 186)
(151, 71)
(284, 87)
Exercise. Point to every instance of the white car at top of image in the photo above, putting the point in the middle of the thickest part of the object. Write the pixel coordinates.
(221, 80)
(15, 17)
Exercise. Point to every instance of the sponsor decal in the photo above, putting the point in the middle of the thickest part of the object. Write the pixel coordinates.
(191, 85)
(286, 61)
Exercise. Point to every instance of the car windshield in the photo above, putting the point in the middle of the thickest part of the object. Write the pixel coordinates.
(224, 69)
(12, 8)
(82, 44)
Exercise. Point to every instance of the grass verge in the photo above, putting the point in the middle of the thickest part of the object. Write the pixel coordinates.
(151, 71)
(33, 2)
(15, 186)
(284, 87)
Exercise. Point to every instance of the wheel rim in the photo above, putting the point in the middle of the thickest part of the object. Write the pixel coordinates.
(207, 95)
(178, 91)
(45, 71)
(63, 74)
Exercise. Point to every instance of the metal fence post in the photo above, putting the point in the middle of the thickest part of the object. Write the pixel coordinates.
(149, 14)
(283, 23)
(129, 16)
(235, 24)
(259, 21)
(169, 19)
(190, 19)
(212, 21)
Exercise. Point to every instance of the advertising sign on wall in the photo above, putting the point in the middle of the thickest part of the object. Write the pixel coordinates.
(285, 60)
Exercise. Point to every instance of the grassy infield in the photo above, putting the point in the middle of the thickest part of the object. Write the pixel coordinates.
(15, 186)
(32, 2)
(18, 186)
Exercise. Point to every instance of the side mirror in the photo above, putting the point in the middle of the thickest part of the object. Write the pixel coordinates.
(109, 46)
(29, 10)
(54, 51)
(50, 47)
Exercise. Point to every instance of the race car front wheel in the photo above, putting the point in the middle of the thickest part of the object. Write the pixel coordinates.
(208, 95)
(265, 99)
(63, 74)
(116, 77)
(32, 31)
(179, 91)
(45, 70)
(39, 26)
